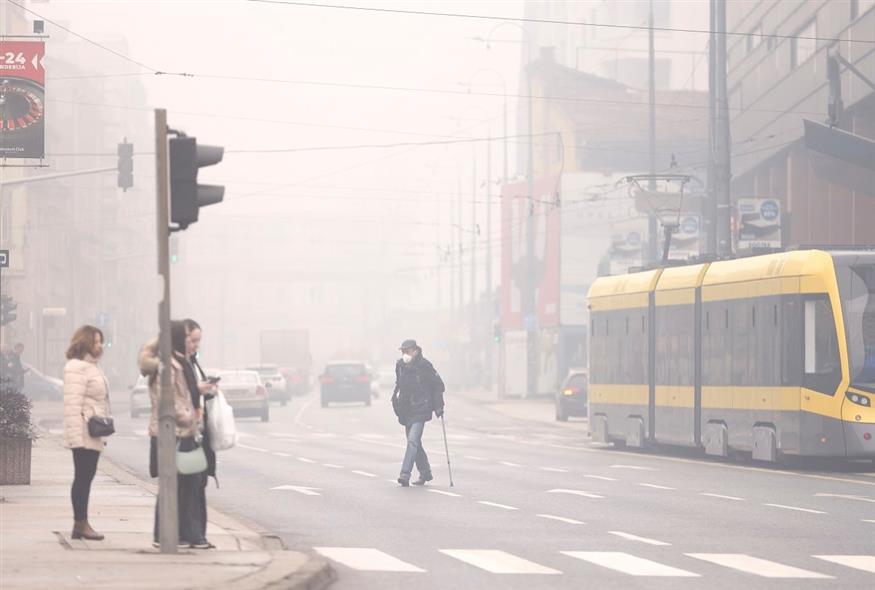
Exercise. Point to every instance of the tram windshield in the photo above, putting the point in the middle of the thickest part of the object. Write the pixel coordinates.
(858, 303)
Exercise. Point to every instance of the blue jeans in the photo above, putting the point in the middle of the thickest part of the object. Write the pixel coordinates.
(415, 453)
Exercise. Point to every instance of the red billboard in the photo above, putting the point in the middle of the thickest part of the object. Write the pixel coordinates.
(22, 99)
(515, 208)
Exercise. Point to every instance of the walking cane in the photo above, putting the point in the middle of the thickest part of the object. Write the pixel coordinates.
(447, 449)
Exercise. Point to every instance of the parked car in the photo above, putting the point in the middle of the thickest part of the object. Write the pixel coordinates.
(572, 398)
(140, 401)
(345, 381)
(246, 393)
(273, 380)
(375, 383)
(297, 382)
(40, 386)
(386, 377)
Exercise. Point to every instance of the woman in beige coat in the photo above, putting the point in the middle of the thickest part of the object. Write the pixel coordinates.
(86, 394)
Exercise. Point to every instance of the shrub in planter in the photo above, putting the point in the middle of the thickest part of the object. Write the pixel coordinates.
(16, 436)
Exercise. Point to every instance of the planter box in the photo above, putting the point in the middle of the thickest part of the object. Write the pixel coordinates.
(15, 461)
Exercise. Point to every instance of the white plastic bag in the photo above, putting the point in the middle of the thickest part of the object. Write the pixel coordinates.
(220, 421)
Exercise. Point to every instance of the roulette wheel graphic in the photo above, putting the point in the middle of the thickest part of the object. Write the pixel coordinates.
(22, 111)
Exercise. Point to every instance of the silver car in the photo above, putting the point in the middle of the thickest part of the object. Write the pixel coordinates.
(246, 393)
(140, 401)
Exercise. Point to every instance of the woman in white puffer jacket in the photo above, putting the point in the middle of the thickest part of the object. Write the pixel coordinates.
(86, 394)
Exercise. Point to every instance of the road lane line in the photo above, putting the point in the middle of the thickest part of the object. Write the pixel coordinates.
(756, 566)
(332, 466)
(868, 520)
(305, 460)
(576, 493)
(282, 454)
(601, 477)
(847, 497)
(629, 564)
(364, 473)
(509, 464)
(367, 560)
(443, 493)
(259, 449)
(495, 505)
(656, 486)
(631, 537)
(498, 562)
(635, 467)
(307, 491)
(554, 469)
(710, 495)
(560, 518)
(795, 508)
(865, 563)
(474, 458)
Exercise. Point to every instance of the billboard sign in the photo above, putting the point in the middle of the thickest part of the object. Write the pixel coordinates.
(22, 99)
(759, 223)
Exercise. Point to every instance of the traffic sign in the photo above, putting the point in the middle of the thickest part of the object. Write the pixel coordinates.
(4, 258)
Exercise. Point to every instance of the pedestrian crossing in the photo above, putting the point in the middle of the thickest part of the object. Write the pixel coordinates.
(685, 565)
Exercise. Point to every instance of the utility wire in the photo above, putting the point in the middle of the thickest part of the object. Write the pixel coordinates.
(546, 21)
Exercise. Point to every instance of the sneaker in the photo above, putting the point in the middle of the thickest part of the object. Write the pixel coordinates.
(423, 479)
(180, 545)
(405, 482)
(202, 545)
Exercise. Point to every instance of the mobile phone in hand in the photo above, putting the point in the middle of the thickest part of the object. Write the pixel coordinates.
(213, 380)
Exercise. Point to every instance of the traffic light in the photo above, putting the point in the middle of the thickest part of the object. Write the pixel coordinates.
(496, 333)
(7, 310)
(186, 195)
(125, 165)
(174, 249)
(835, 106)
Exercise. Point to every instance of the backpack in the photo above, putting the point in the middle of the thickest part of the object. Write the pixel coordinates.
(220, 421)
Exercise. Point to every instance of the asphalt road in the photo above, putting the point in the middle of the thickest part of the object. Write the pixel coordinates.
(534, 505)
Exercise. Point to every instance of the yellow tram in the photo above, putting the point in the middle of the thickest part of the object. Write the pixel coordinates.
(769, 354)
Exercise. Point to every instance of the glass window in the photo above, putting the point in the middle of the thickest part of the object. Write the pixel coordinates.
(239, 377)
(578, 382)
(754, 38)
(803, 45)
(857, 286)
(350, 370)
(821, 366)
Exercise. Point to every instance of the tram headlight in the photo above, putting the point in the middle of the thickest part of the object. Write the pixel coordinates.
(860, 400)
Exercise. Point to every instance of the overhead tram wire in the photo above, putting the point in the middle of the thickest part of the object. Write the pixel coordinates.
(546, 21)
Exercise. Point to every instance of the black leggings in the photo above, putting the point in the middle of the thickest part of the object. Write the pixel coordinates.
(85, 466)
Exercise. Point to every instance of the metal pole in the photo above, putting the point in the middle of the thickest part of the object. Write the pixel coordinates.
(711, 203)
(489, 298)
(530, 312)
(459, 243)
(651, 185)
(451, 265)
(473, 293)
(447, 450)
(168, 509)
(723, 168)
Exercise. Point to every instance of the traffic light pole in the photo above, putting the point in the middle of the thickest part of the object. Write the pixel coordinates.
(168, 508)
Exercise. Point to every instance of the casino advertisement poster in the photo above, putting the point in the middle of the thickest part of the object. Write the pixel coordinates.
(22, 99)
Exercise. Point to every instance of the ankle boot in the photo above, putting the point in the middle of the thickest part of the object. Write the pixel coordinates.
(83, 530)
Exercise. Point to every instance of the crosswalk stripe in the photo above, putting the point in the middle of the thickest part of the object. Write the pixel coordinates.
(498, 562)
(367, 559)
(630, 564)
(631, 537)
(859, 562)
(756, 566)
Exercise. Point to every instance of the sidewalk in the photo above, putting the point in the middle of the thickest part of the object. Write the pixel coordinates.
(36, 550)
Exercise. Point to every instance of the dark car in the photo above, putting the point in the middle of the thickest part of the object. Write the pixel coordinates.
(572, 398)
(345, 381)
(297, 381)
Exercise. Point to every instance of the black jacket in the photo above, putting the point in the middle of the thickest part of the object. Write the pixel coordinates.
(419, 390)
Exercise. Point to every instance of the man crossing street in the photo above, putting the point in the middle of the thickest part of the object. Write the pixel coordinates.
(419, 393)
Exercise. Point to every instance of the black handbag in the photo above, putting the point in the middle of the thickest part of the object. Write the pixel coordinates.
(99, 426)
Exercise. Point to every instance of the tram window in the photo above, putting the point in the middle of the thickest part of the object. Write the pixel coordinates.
(776, 315)
(753, 315)
(821, 355)
(726, 318)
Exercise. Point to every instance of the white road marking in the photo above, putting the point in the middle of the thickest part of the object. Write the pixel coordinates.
(756, 566)
(560, 519)
(795, 508)
(629, 564)
(495, 505)
(282, 454)
(259, 449)
(443, 493)
(710, 495)
(631, 537)
(141, 432)
(554, 469)
(307, 491)
(498, 562)
(858, 562)
(305, 460)
(847, 497)
(509, 464)
(868, 520)
(474, 458)
(364, 473)
(656, 486)
(367, 560)
(601, 477)
(635, 467)
(576, 493)
(332, 466)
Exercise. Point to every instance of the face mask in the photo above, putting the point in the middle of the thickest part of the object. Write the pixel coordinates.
(406, 357)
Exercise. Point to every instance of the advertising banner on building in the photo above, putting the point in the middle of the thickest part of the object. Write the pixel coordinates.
(22, 99)
(759, 223)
